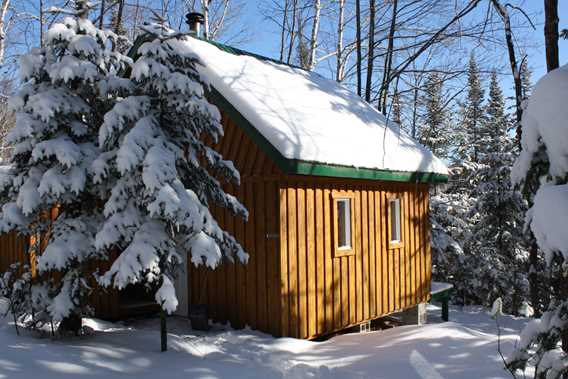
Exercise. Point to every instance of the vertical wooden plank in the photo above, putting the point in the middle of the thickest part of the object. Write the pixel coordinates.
(302, 263)
(423, 250)
(220, 277)
(412, 231)
(273, 258)
(401, 263)
(284, 259)
(260, 251)
(331, 286)
(339, 278)
(311, 261)
(365, 253)
(356, 267)
(385, 254)
(407, 248)
(321, 263)
(240, 272)
(230, 267)
(251, 283)
(345, 281)
(419, 249)
(293, 262)
(372, 255)
(378, 252)
(428, 244)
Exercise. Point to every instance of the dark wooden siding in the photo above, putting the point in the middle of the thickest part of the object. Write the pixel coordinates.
(13, 248)
(246, 294)
(322, 293)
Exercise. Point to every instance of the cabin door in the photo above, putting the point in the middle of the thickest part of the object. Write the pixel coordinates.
(181, 284)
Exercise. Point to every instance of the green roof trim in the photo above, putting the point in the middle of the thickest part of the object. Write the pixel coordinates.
(297, 167)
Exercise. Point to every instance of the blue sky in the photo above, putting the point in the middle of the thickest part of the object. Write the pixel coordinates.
(265, 34)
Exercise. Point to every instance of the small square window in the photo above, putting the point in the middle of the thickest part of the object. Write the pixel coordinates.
(394, 211)
(343, 224)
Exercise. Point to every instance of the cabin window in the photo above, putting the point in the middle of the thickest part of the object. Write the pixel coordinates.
(394, 214)
(343, 224)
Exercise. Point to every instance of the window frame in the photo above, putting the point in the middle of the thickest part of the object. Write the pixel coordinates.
(336, 197)
(395, 243)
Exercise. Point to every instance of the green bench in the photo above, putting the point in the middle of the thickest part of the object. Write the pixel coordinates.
(441, 292)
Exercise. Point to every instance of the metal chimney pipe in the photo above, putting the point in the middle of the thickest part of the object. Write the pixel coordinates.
(194, 20)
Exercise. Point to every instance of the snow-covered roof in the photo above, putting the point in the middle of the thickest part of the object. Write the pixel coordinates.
(314, 122)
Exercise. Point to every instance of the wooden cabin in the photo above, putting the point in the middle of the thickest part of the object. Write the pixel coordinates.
(338, 232)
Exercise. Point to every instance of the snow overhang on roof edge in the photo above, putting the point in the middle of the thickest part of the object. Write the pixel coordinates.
(297, 167)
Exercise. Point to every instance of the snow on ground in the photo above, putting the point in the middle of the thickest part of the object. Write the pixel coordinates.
(464, 348)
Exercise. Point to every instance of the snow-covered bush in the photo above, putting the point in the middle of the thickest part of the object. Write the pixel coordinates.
(59, 111)
(542, 170)
(161, 175)
(450, 229)
(15, 287)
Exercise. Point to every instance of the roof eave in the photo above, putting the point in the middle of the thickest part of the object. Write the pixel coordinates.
(298, 167)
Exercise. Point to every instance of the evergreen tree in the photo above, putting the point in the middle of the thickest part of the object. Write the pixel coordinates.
(496, 252)
(472, 111)
(59, 110)
(161, 175)
(542, 173)
(434, 131)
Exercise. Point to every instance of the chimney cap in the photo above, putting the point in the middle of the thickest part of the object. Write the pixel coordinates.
(194, 18)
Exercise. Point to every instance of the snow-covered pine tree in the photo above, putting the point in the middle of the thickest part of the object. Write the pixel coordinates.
(161, 173)
(472, 115)
(434, 130)
(497, 253)
(451, 227)
(59, 110)
(542, 170)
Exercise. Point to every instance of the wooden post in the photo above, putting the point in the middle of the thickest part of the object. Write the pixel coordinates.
(163, 331)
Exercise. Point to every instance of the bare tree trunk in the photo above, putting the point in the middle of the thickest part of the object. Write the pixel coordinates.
(292, 31)
(551, 34)
(414, 111)
(314, 38)
(283, 31)
(205, 8)
(371, 52)
(382, 106)
(41, 21)
(102, 15)
(358, 43)
(339, 71)
(118, 20)
(214, 27)
(3, 11)
(502, 10)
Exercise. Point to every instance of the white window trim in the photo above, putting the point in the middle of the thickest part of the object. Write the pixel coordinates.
(397, 238)
(347, 223)
(337, 196)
